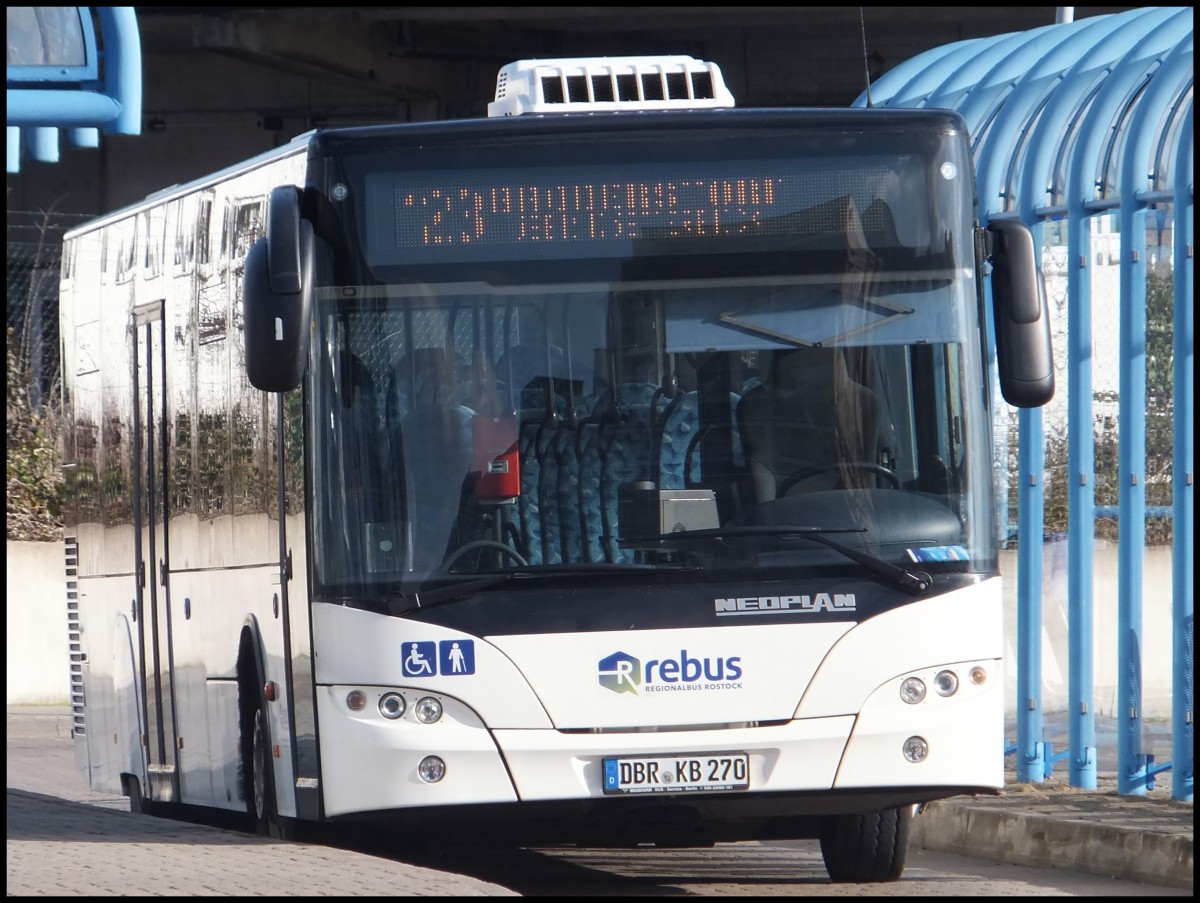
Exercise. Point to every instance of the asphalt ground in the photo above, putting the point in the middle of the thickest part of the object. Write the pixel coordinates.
(63, 838)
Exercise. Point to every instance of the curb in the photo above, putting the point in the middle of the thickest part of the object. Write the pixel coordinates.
(1030, 838)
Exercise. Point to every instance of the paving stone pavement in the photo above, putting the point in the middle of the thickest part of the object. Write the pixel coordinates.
(61, 838)
(58, 847)
(69, 840)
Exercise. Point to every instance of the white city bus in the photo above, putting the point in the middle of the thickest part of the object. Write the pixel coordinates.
(613, 469)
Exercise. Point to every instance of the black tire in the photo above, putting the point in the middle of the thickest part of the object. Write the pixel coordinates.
(138, 803)
(260, 782)
(865, 849)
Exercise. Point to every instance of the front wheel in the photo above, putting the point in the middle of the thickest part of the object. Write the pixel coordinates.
(261, 796)
(863, 849)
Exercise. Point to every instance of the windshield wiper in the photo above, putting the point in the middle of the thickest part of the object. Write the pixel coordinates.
(456, 592)
(451, 592)
(915, 584)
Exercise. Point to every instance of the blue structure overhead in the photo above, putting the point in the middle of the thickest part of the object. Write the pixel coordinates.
(1091, 123)
(1029, 99)
(62, 74)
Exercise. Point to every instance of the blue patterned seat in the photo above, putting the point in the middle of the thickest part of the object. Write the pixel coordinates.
(626, 446)
(588, 453)
(566, 454)
(529, 501)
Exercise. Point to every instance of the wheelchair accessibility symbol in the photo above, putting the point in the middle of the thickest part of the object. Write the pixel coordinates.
(420, 659)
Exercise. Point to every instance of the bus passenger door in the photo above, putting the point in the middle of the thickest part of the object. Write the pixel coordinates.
(153, 565)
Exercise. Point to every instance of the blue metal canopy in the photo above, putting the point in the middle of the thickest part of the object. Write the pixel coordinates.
(1030, 103)
(62, 75)
(1074, 121)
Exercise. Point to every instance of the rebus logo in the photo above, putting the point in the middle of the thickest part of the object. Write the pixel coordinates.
(620, 672)
(623, 673)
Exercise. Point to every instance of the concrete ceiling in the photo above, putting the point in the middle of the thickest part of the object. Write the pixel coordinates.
(221, 84)
(438, 58)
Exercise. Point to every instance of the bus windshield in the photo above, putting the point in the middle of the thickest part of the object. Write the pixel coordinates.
(687, 352)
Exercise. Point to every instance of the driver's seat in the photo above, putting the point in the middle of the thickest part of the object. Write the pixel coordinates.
(812, 427)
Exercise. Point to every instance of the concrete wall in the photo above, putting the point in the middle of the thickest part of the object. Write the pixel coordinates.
(39, 668)
(1156, 629)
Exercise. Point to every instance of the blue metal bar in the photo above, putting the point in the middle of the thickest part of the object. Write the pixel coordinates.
(84, 137)
(43, 144)
(1031, 765)
(1131, 541)
(900, 85)
(1183, 467)
(1080, 464)
(1020, 118)
(969, 81)
(1049, 51)
(1080, 499)
(32, 107)
(122, 66)
(14, 148)
(1153, 512)
(1153, 769)
(1140, 136)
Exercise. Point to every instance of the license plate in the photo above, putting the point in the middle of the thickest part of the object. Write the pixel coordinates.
(677, 774)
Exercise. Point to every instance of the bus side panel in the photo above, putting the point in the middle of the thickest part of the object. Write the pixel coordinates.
(175, 264)
(213, 605)
(98, 443)
(111, 683)
(224, 503)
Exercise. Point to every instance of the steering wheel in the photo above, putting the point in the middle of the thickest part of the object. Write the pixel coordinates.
(477, 544)
(805, 472)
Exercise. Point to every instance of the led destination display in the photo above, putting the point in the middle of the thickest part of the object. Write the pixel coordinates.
(583, 211)
(575, 212)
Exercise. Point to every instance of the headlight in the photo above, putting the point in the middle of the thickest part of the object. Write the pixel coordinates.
(946, 683)
(392, 706)
(912, 690)
(916, 749)
(428, 710)
(431, 769)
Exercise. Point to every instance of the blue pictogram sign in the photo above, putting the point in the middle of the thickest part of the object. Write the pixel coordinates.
(420, 659)
(456, 657)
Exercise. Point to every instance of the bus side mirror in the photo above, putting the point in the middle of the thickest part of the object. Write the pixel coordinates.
(1024, 356)
(277, 296)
